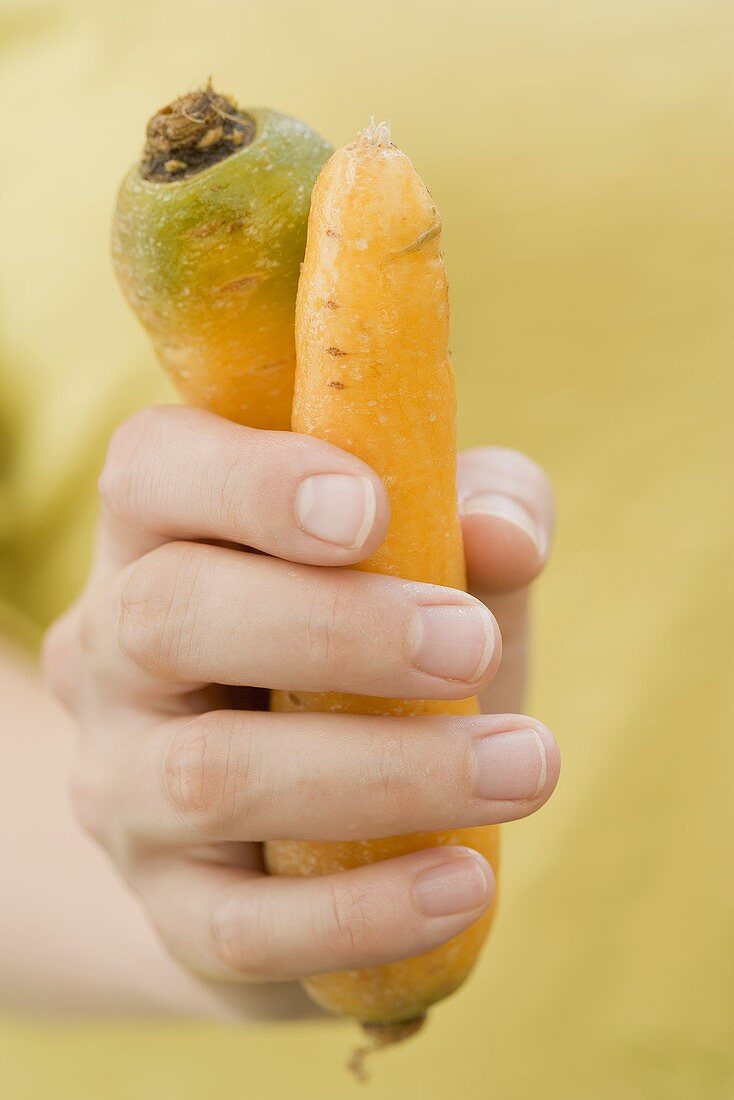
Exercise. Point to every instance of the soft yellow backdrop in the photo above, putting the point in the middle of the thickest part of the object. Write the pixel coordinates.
(581, 155)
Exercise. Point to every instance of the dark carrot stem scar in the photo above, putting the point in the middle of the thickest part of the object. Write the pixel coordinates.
(191, 134)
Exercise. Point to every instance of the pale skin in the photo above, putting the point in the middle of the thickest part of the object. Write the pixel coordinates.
(147, 891)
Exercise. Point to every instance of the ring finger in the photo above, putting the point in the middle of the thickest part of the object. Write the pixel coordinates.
(239, 776)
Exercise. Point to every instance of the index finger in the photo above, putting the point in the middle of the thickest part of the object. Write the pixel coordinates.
(182, 473)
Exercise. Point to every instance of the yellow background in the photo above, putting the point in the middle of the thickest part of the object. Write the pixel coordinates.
(581, 154)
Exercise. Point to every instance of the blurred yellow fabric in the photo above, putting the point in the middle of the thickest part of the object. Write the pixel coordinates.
(581, 154)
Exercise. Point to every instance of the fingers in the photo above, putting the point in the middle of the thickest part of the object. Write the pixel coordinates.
(234, 776)
(181, 473)
(229, 925)
(506, 505)
(192, 614)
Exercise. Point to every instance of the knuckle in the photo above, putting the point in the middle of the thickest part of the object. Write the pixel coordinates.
(59, 658)
(392, 778)
(223, 491)
(352, 926)
(88, 628)
(234, 944)
(205, 774)
(96, 616)
(120, 475)
(327, 639)
(88, 797)
(154, 621)
(414, 781)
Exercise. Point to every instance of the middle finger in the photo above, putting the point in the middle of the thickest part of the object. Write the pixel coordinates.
(190, 613)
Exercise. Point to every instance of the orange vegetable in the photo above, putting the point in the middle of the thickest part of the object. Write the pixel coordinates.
(373, 376)
(208, 235)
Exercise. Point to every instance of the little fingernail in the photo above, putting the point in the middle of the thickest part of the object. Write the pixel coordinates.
(510, 765)
(459, 886)
(337, 508)
(453, 641)
(511, 511)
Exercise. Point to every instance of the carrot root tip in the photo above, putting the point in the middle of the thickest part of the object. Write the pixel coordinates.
(376, 133)
(380, 1036)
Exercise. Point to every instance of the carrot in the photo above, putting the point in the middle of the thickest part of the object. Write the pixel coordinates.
(208, 235)
(373, 376)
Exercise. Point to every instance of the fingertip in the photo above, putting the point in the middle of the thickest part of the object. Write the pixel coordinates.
(376, 519)
(506, 508)
(487, 871)
(504, 548)
(459, 882)
(552, 753)
(493, 652)
(528, 764)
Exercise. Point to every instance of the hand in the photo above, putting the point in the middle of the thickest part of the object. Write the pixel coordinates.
(181, 780)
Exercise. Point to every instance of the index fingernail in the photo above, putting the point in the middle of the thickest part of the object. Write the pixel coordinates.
(337, 508)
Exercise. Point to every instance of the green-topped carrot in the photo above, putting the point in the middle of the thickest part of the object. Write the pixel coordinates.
(208, 235)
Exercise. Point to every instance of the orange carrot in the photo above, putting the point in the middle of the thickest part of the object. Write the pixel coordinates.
(373, 376)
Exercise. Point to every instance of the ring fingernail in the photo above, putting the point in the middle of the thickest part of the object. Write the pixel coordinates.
(454, 887)
(453, 641)
(510, 765)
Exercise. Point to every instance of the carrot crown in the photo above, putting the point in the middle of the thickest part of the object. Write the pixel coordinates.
(192, 133)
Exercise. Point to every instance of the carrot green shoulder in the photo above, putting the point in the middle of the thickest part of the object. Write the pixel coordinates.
(208, 236)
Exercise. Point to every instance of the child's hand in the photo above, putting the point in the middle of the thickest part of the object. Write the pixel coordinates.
(181, 788)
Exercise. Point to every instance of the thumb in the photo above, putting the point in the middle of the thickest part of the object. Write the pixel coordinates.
(506, 508)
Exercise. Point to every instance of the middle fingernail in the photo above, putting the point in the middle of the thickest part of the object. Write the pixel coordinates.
(337, 508)
(453, 641)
